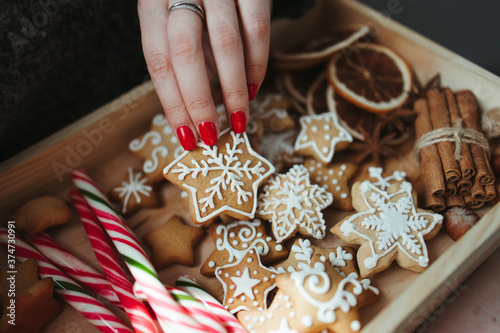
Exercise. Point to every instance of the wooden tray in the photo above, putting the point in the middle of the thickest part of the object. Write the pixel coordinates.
(99, 144)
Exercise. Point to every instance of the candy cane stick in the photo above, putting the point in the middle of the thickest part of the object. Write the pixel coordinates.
(136, 310)
(171, 316)
(100, 316)
(227, 319)
(74, 267)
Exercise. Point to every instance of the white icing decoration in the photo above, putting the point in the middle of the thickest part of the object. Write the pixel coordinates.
(307, 321)
(244, 284)
(284, 328)
(331, 171)
(396, 223)
(325, 154)
(355, 325)
(211, 263)
(314, 129)
(319, 283)
(278, 247)
(232, 171)
(344, 195)
(299, 203)
(338, 259)
(135, 186)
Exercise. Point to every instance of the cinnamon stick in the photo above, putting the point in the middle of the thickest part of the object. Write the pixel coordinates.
(430, 162)
(451, 189)
(440, 118)
(470, 115)
(471, 203)
(466, 163)
(477, 192)
(491, 192)
(464, 186)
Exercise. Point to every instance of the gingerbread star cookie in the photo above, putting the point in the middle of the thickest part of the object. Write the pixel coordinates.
(321, 136)
(40, 213)
(34, 305)
(388, 225)
(173, 242)
(234, 240)
(246, 283)
(134, 192)
(313, 299)
(334, 178)
(292, 204)
(221, 179)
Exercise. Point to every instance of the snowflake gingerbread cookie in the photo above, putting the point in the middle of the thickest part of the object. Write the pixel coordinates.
(134, 192)
(292, 204)
(321, 136)
(313, 299)
(246, 283)
(388, 225)
(234, 240)
(220, 179)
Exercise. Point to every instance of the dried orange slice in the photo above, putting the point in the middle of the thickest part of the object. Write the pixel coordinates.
(319, 49)
(371, 76)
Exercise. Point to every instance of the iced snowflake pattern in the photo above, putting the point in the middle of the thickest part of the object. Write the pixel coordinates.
(231, 172)
(391, 222)
(136, 186)
(293, 204)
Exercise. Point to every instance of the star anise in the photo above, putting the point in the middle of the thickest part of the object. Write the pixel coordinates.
(420, 90)
(397, 120)
(375, 146)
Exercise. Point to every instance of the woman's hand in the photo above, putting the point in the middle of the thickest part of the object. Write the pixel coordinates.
(179, 56)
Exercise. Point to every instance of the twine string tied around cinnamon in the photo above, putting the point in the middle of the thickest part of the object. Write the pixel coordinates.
(457, 134)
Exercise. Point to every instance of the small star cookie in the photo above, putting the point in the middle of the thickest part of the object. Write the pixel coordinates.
(234, 240)
(34, 305)
(310, 300)
(335, 179)
(221, 179)
(388, 225)
(292, 204)
(134, 192)
(41, 213)
(321, 136)
(173, 243)
(246, 283)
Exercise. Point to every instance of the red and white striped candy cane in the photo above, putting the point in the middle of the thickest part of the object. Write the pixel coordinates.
(171, 316)
(228, 320)
(74, 267)
(137, 312)
(93, 310)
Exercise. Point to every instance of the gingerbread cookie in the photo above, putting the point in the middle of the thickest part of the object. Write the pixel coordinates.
(335, 179)
(321, 136)
(41, 213)
(246, 283)
(278, 149)
(302, 253)
(313, 299)
(134, 192)
(173, 242)
(388, 225)
(34, 305)
(158, 147)
(221, 179)
(292, 204)
(234, 240)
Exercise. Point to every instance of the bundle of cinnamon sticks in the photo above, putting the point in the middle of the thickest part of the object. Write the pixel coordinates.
(453, 152)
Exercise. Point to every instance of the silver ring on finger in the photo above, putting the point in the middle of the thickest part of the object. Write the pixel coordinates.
(189, 6)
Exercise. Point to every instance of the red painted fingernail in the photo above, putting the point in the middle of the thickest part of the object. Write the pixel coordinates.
(252, 90)
(208, 133)
(186, 137)
(238, 121)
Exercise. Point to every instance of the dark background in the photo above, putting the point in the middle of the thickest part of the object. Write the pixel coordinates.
(61, 59)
